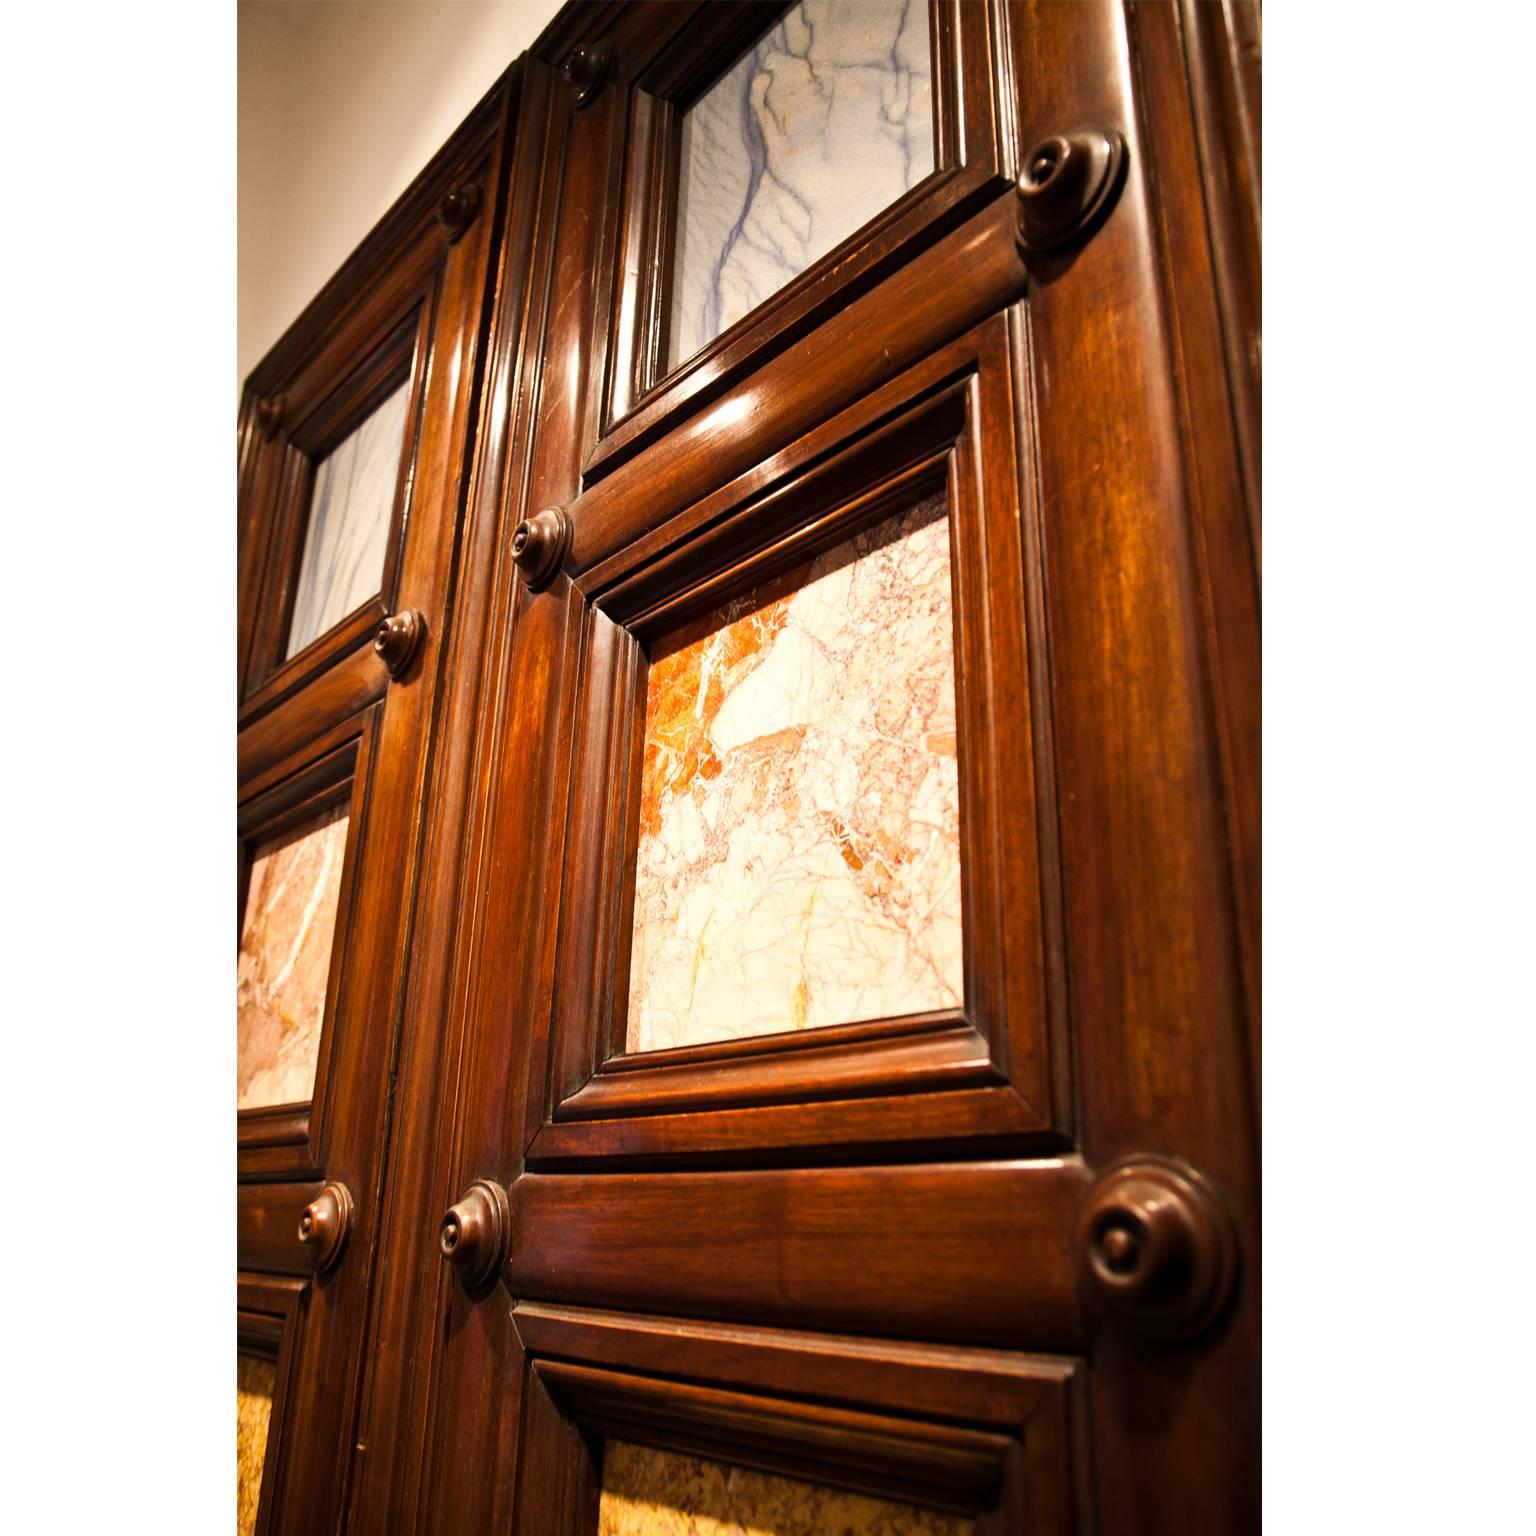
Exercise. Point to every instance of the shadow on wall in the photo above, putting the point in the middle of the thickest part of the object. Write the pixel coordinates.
(341, 103)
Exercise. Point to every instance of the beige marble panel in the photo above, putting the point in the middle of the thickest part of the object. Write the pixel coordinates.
(799, 842)
(255, 1384)
(656, 1493)
(285, 955)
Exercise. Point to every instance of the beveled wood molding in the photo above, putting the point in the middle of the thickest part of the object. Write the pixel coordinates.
(665, 59)
(358, 366)
(950, 1467)
(265, 1306)
(335, 697)
(286, 1142)
(270, 1318)
(999, 1065)
(914, 313)
(954, 1428)
(1222, 46)
(861, 1059)
(274, 1125)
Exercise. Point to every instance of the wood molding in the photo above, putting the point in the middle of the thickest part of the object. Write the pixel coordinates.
(988, 1433)
(287, 1141)
(817, 1247)
(408, 304)
(270, 1313)
(644, 394)
(945, 425)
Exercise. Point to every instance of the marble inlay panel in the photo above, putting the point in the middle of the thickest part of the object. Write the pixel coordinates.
(255, 1384)
(349, 509)
(657, 1493)
(799, 842)
(826, 121)
(285, 955)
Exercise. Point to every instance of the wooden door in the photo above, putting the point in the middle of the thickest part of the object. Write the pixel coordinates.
(832, 1022)
(352, 444)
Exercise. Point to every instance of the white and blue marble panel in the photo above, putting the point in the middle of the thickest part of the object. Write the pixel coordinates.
(826, 121)
(348, 532)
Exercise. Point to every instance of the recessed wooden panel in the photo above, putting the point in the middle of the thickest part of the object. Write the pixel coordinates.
(825, 121)
(649, 1492)
(255, 1387)
(349, 515)
(974, 1045)
(799, 841)
(285, 956)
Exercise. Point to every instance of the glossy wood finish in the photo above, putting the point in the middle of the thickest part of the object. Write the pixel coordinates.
(978, 1431)
(1112, 577)
(270, 1324)
(348, 722)
(917, 1253)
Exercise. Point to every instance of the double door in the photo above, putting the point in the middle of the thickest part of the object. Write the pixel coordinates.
(788, 1051)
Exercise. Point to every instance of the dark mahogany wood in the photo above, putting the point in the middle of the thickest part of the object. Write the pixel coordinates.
(945, 426)
(986, 1432)
(270, 1313)
(829, 1247)
(325, 1224)
(1000, 1258)
(328, 726)
(397, 640)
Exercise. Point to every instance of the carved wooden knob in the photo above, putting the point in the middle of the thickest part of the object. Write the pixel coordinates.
(457, 210)
(1067, 181)
(324, 1225)
(1156, 1249)
(585, 69)
(539, 545)
(474, 1233)
(269, 415)
(398, 639)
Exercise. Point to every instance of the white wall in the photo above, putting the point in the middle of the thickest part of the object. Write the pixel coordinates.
(341, 104)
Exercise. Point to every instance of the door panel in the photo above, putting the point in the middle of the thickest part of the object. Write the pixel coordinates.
(355, 433)
(994, 1061)
(823, 947)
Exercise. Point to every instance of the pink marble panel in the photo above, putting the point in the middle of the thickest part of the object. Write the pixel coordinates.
(799, 841)
(285, 955)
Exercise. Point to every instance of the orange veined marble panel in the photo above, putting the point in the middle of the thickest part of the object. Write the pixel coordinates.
(285, 955)
(255, 1384)
(657, 1493)
(799, 843)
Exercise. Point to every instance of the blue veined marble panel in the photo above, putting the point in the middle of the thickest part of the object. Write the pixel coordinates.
(827, 120)
(349, 523)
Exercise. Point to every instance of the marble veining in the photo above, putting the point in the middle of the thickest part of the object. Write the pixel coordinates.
(255, 1384)
(285, 956)
(349, 511)
(658, 1493)
(798, 856)
(824, 122)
